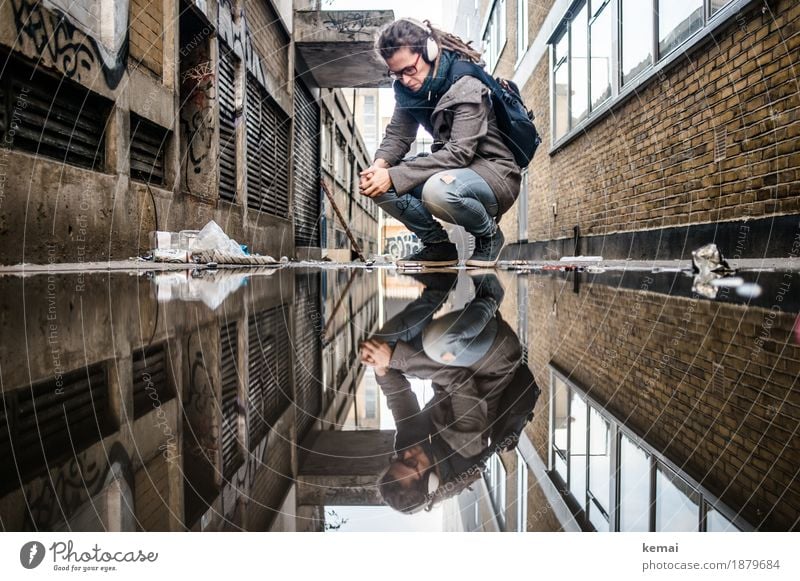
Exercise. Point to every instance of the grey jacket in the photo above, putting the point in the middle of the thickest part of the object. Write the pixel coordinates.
(465, 399)
(465, 124)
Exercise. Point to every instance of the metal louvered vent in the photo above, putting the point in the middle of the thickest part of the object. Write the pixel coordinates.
(53, 117)
(227, 122)
(231, 454)
(41, 426)
(148, 149)
(306, 167)
(269, 359)
(308, 350)
(152, 379)
(267, 129)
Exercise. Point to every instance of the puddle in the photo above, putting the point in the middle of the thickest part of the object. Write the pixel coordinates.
(245, 400)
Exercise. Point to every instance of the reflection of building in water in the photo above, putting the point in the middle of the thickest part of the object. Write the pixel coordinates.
(124, 413)
(666, 412)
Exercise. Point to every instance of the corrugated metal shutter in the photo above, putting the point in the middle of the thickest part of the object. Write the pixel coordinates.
(44, 424)
(269, 370)
(306, 168)
(60, 119)
(231, 455)
(227, 122)
(308, 350)
(267, 152)
(152, 379)
(148, 148)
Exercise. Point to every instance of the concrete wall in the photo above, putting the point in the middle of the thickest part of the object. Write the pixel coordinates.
(104, 213)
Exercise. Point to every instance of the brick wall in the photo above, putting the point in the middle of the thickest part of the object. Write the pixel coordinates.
(269, 39)
(146, 31)
(651, 163)
(697, 379)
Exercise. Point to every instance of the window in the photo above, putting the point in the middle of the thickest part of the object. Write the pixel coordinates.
(579, 70)
(717, 5)
(637, 37)
(616, 482)
(600, 55)
(561, 87)
(325, 143)
(370, 125)
(496, 483)
(522, 203)
(602, 49)
(522, 493)
(522, 28)
(494, 36)
(677, 21)
(599, 470)
(634, 476)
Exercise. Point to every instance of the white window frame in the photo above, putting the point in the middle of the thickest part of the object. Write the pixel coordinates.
(522, 30)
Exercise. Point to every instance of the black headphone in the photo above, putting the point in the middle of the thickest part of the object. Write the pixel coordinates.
(430, 51)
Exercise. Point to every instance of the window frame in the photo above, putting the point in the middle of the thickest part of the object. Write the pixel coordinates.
(522, 32)
(622, 92)
(657, 460)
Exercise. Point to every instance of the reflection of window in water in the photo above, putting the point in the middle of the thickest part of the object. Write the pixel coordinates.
(590, 447)
(495, 476)
(522, 493)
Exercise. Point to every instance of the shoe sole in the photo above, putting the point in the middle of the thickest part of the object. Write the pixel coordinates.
(422, 263)
(481, 263)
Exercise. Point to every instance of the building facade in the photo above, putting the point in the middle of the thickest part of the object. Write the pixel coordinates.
(120, 118)
(662, 128)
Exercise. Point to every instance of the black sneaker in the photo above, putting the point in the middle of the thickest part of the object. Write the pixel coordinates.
(487, 249)
(439, 254)
(487, 285)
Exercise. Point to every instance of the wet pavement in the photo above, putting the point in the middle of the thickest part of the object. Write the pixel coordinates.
(243, 399)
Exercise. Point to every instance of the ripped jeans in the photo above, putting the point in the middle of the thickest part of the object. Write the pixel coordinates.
(467, 200)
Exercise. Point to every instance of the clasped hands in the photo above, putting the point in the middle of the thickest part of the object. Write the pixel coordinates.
(375, 180)
(376, 353)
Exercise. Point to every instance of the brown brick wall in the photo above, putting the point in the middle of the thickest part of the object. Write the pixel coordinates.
(146, 34)
(692, 376)
(269, 39)
(651, 162)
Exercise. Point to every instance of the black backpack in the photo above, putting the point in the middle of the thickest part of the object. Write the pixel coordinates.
(513, 119)
(516, 410)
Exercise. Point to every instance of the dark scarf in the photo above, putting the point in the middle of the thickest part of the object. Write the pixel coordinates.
(421, 103)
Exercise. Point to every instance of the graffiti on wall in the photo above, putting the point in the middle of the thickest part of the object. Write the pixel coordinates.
(402, 245)
(59, 43)
(198, 124)
(198, 116)
(350, 24)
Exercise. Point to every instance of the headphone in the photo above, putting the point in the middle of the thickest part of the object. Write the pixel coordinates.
(430, 51)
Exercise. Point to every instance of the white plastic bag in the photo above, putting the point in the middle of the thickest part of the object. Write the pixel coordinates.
(212, 237)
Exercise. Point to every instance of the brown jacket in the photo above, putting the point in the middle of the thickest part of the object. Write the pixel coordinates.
(465, 399)
(463, 121)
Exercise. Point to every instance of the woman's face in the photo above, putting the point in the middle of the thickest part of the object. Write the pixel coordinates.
(410, 67)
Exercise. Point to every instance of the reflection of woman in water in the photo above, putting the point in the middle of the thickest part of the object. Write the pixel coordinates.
(470, 356)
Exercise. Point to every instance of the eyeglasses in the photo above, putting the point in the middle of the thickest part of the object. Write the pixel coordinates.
(407, 71)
